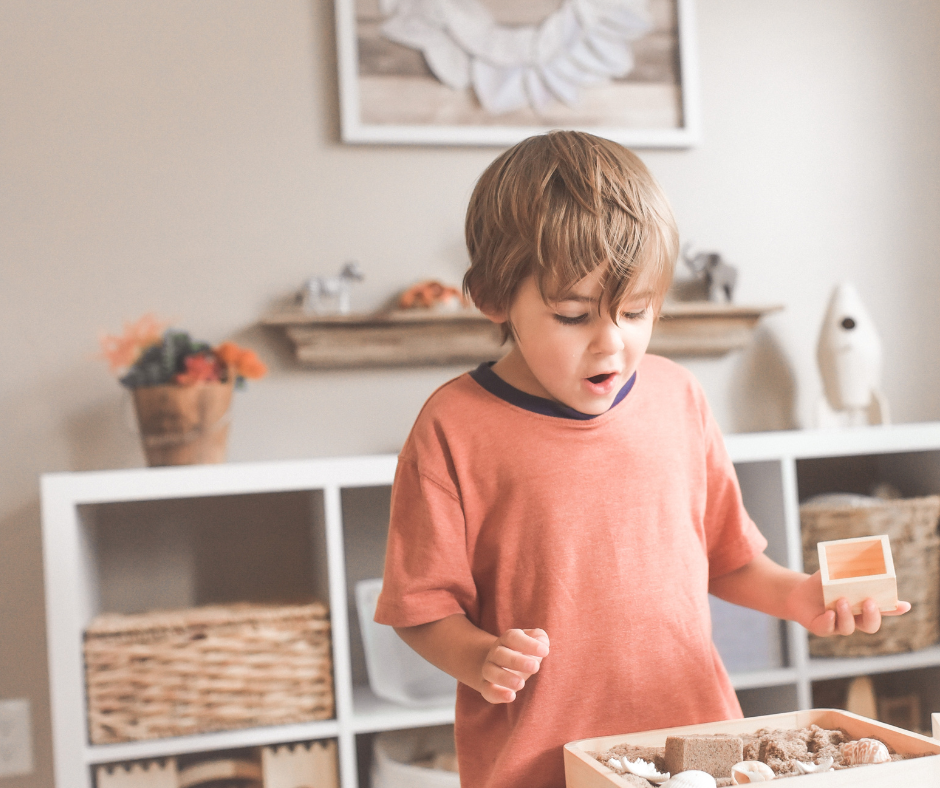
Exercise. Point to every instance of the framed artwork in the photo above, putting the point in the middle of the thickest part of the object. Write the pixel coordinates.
(492, 72)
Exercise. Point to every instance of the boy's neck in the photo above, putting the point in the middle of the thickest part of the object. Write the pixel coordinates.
(513, 370)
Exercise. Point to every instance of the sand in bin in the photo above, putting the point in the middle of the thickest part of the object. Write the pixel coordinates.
(779, 749)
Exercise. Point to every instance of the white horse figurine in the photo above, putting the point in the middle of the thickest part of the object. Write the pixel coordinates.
(330, 294)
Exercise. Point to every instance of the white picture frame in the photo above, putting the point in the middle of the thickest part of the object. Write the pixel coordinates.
(386, 99)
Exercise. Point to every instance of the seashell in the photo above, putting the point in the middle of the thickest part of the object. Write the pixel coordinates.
(751, 772)
(645, 769)
(692, 778)
(824, 765)
(864, 751)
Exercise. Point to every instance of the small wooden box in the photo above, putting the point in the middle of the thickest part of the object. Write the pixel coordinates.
(858, 569)
(582, 770)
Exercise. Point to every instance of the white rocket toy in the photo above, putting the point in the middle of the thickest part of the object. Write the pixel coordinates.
(849, 357)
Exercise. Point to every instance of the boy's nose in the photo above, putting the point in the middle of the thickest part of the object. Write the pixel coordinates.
(607, 338)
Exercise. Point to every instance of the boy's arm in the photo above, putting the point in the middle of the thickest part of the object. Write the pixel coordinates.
(496, 667)
(773, 589)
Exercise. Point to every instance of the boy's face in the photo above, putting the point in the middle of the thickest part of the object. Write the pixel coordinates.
(568, 350)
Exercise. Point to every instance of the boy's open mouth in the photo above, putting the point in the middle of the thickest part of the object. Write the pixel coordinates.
(601, 378)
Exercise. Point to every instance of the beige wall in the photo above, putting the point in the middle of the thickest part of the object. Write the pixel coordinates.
(183, 158)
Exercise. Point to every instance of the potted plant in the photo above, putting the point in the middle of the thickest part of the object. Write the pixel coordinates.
(181, 389)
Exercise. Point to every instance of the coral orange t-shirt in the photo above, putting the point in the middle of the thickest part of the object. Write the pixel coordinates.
(603, 532)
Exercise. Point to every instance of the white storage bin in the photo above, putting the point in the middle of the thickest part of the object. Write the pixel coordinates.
(396, 672)
(394, 754)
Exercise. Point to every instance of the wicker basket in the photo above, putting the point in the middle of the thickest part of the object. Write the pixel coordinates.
(205, 669)
(911, 525)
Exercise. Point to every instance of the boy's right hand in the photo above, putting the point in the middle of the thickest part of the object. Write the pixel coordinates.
(513, 657)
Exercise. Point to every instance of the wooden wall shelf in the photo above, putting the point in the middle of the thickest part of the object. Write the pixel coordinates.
(425, 338)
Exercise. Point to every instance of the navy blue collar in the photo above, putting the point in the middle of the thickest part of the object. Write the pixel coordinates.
(494, 384)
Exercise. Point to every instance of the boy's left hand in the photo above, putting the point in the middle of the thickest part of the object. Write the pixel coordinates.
(805, 605)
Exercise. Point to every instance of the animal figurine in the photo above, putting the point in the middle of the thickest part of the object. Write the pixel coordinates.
(717, 276)
(849, 357)
(330, 294)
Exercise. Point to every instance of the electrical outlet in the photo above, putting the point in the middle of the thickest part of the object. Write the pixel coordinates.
(16, 738)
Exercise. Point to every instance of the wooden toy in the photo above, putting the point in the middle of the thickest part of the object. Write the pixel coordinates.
(861, 699)
(140, 774)
(582, 770)
(715, 754)
(858, 569)
(300, 765)
(246, 772)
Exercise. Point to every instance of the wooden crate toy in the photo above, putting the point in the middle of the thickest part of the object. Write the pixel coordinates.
(310, 765)
(858, 569)
(582, 770)
(140, 774)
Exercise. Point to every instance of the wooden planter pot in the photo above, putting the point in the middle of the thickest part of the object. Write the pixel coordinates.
(184, 425)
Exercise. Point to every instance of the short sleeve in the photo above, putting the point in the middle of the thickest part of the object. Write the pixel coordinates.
(732, 538)
(427, 570)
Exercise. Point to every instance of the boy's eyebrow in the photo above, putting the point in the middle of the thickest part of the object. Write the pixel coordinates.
(576, 297)
(583, 299)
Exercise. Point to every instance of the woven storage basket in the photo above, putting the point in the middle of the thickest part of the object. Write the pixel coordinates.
(205, 669)
(911, 525)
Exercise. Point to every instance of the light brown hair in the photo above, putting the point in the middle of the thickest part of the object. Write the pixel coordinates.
(556, 206)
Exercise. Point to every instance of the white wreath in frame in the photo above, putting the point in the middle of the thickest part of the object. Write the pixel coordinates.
(583, 43)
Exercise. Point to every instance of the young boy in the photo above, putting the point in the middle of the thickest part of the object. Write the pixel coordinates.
(577, 488)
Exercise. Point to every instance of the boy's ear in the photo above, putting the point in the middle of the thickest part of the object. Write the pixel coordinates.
(496, 315)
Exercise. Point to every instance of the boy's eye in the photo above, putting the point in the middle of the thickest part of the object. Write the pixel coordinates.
(634, 315)
(570, 321)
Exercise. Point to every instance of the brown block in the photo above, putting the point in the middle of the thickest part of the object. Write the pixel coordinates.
(715, 754)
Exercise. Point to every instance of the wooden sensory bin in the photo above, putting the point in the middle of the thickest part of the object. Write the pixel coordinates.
(172, 538)
(582, 770)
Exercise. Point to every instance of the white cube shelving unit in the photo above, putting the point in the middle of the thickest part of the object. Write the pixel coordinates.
(132, 540)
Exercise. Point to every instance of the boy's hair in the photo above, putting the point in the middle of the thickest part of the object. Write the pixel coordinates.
(558, 205)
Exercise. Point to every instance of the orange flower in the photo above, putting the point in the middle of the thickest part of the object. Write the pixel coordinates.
(122, 351)
(245, 362)
(199, 369)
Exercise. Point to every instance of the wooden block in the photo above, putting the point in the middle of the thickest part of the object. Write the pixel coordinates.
(140, 774)
(715, 754)
(308, 765)
(936, 725)
(860, 698)
(229, 770)
(858, 569)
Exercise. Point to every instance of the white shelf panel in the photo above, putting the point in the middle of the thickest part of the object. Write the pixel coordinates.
(372, 714)
(805, 444)
(843, 667)
(142, 484)
(764, 678)
(206, 742)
